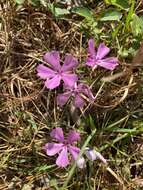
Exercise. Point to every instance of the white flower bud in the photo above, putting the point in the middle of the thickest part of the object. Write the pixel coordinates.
(81, 163)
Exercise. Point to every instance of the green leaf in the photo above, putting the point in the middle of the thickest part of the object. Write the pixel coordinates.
(111, 15)
(91, 123)
(141, 18)
(122, 4)
(126, 52)
(84, 12)
(35, 2)
(129, 16)
(89, 21)
(53, 183)
(137, 25)
(116, 30)
(57, 12)
(45, 167)
(32, 122)
(19, 2)
(43, 2)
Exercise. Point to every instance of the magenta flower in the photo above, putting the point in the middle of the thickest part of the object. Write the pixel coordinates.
(78, 92)
(56, 73)
(64, 147)
(99, 58)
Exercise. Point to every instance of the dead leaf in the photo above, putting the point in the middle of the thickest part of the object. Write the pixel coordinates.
(138, 182)
(138, 59)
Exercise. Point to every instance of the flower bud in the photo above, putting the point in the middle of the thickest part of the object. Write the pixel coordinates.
(91, 154)
(81, 163)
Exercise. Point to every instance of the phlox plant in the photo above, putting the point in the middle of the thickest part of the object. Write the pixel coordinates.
(57, 74)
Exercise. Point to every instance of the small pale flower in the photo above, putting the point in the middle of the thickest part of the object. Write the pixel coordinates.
(64, 147)
(57, 73)
(78, 92)
(98, 58)
(93, 155)
(81, 163)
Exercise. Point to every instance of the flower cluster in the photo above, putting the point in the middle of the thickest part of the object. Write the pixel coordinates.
(56, 73)
(65, 147)
(77, 92)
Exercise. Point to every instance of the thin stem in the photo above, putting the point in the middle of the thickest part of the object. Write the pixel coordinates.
(72, 170)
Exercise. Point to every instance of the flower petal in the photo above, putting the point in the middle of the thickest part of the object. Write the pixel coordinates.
(91, 54)
(81, 163)
(100, 157)
(79, 102)
(83, 88)
(52, 148)
(102, 51)
(69, 64)
(74, 151)
(62, 160)
(53, 58)
(69, 79)
(108, 63)
(73, 136)
(91, 48)
(44, 72)
(57, 134)
(54, 82)
(63, 98)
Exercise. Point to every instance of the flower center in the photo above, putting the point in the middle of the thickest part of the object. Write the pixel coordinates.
(66, 143)
(60, 73)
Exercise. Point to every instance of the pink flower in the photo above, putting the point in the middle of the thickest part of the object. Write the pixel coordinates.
(99, 58)
(56, 73)
(77, 92)
(64, 147)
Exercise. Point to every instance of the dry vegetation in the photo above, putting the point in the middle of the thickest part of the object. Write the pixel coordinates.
(28, 112)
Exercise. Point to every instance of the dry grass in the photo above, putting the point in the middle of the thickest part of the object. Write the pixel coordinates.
(28, 112)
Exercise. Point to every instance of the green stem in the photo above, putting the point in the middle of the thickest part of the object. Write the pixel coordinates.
(72, 170)
(133, 131)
